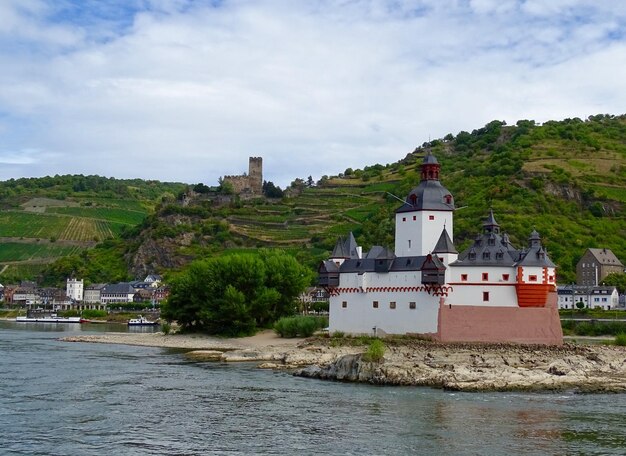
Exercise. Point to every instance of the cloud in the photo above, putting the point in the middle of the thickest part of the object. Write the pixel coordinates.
(187, 90)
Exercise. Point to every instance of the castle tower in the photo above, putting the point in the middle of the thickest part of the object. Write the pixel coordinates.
(255, 175)
(427, 210)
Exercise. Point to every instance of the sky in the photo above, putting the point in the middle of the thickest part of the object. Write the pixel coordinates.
(187, 90)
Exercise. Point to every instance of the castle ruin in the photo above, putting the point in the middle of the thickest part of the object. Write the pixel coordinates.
(251, 184)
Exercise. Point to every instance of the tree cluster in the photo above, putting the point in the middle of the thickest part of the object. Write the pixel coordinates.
(236, 294)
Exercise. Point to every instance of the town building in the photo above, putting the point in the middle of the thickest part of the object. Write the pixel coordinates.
(587, 297)
(117, 293)
(74, 289)
(491, 292)
(595, 265)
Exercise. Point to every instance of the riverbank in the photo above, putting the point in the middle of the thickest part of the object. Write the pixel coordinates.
(462, 367)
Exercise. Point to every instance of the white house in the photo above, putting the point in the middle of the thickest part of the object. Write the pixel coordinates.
(74, 289)
(591, 297)
(491, 292)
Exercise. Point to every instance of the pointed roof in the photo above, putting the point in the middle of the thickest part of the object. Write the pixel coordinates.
(345, 248)
(490, 225)
(445, 244)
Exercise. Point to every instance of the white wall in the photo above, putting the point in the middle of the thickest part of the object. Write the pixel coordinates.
(417, 235)
(360, 317)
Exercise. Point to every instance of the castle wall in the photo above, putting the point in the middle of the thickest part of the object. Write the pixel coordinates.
(250, 184)
(360, 317)
(533, 325)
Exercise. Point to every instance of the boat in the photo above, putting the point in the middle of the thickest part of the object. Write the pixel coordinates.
(141, 321)
(50, 318)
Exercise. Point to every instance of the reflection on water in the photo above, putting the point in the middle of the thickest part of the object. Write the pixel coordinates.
(92, 399)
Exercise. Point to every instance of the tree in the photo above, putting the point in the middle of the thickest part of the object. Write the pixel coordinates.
(617, 280)
(309, 181)
(236, 294)
(272, 191)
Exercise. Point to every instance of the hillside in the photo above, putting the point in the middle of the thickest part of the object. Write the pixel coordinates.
(567, 179)
(45, 219)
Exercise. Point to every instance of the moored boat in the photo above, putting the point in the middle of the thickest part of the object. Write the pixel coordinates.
(52, 318)
(141, 321)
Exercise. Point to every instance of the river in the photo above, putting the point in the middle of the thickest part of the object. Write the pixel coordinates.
(60, 398)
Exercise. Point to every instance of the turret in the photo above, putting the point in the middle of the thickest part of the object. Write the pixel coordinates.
(427, 209)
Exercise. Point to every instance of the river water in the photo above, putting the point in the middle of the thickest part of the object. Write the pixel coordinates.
(60, 398)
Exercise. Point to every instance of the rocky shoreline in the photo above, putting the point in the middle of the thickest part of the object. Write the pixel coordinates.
(410, 362)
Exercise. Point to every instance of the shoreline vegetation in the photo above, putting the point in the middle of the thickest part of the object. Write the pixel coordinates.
(406, 361)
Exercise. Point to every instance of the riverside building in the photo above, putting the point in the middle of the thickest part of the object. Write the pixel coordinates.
(491, 292)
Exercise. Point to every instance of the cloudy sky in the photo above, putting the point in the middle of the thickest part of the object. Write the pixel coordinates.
(187, 90)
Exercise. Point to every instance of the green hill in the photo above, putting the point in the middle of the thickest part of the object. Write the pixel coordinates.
(45, 219)
(567, 179)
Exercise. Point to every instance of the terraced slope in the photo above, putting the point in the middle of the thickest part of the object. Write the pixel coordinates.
(42, 220)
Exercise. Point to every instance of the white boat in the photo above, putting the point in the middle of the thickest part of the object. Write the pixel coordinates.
(141, 321)
(52, 318)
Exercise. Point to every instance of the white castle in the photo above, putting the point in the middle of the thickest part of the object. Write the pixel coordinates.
(491, 292)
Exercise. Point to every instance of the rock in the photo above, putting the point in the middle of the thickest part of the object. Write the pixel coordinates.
(204, 355)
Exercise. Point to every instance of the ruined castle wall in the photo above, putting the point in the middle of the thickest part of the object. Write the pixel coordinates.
(252, 183)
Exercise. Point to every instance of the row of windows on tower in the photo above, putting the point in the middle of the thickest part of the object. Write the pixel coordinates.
(430, 217)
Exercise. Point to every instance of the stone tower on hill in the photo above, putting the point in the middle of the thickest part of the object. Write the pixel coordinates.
(248, 185)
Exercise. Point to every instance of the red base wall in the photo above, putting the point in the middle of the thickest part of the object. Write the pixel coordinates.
(530, 325)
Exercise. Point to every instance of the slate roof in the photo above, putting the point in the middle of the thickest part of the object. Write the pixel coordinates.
(413, 263)
(429, 194)
(118, 288)
(345, 248)
(444, 244)
(494, 249)
(605, 257)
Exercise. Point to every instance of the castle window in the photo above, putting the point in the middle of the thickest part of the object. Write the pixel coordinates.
(463, 277)
(413, 199)
(499, 255)
(409, 243)
(344, 304)
(375, 304)
(448, 199)
(532, 278)
(392, 305)
(472, 255)
(431, 217)
(414, 217)
(485, 296)
(485, 276)
(412, 305)
(505, 277)
(486, 255)
(404, 219)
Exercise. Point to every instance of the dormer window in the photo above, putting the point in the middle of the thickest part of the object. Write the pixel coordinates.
(499, 255)
(413, 199)
(492, 241)
(472, 255)
(486, 255)
(448, 199)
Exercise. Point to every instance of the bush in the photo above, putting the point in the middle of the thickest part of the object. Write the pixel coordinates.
(166, 328)
(301, 326)
(375, 352)
(92, 313)
(620, 339)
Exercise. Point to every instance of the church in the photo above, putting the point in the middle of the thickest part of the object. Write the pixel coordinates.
(491, 292)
